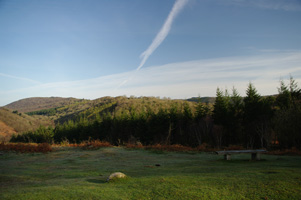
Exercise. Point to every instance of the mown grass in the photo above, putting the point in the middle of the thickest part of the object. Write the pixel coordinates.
(74, 173)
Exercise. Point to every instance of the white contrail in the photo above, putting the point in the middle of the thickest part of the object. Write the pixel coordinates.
(177, 7)
(20, 78)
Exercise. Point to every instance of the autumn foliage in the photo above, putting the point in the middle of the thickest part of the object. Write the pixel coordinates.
(94, 144)
(291, 151)
(175, 147)
(26, 147)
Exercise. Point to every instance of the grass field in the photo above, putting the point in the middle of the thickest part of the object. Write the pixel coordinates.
(73, 173)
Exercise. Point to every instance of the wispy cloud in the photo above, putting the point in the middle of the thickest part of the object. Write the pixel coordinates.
(287, 5)
(160, 37)
(20, 78)
(177, 7)
(179, 80)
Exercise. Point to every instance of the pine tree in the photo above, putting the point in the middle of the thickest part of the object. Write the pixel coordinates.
(256, 118)
(235, 118)
(220, 110)
(220, 117)
(287, 118)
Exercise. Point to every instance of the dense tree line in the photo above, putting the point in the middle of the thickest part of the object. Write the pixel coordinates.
(252, 121)
(47, 112)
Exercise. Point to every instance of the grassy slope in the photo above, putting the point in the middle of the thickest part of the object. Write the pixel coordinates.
(70, 108)
(18, 123)
(40, 103)
(6, 131)
(114, 105)
(80, 174)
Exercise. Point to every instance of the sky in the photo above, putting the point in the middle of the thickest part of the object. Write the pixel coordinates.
(163, 48)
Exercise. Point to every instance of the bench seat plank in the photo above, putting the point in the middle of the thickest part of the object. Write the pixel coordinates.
(255, 154)
(240, 151)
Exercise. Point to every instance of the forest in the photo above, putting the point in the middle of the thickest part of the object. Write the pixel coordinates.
(253, 121)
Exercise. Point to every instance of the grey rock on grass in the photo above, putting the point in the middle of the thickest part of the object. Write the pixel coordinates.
(116, 175)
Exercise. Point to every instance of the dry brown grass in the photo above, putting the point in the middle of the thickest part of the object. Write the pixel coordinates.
(26, 148)
(134, 146)
(205, 148)
(94, 144)
(292, 151)
(91, 144)
(6, 132)
(175, 147)
(235, 147)
(14, 123)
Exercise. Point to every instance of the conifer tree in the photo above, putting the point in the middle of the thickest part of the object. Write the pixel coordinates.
(287, 118)
(220, 116)
(235, 118)
(257, 115)
(202, 123)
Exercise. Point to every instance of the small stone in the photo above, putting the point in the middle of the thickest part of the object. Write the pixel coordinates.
(116, 175)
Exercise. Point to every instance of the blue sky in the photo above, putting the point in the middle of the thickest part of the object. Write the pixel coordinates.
(89, 49)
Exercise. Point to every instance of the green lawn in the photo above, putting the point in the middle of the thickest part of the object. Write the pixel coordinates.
(72, 173)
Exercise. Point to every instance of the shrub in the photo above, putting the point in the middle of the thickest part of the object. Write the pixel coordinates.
(94, 144)
(26, 148)
(134, 146)
(41, 135)
(235, 147)
(174, 147)
(203, 147)
(292, 151)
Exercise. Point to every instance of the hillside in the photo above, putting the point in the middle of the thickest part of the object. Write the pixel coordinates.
(6, 131)
(40, 103)
(13, 122)
(120, 106)
(87, 112)
(61, 110)
(28, 114)
(73, 105)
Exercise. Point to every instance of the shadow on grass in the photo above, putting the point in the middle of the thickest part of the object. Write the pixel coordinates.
(98, 181)
(240, 160)
(270, 172)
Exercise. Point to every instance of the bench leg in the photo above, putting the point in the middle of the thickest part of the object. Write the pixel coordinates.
(227, 157)
(255, 156)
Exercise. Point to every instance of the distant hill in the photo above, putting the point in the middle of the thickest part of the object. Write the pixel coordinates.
(28, 114)
(12, 122)
(91, 109)
(60, 110)
(40, 103)
(210, 100)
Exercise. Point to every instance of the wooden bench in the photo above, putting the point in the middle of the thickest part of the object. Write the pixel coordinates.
(255, 154)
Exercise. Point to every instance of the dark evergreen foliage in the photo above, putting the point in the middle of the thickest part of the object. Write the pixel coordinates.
(47, 112)
(253, 121)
